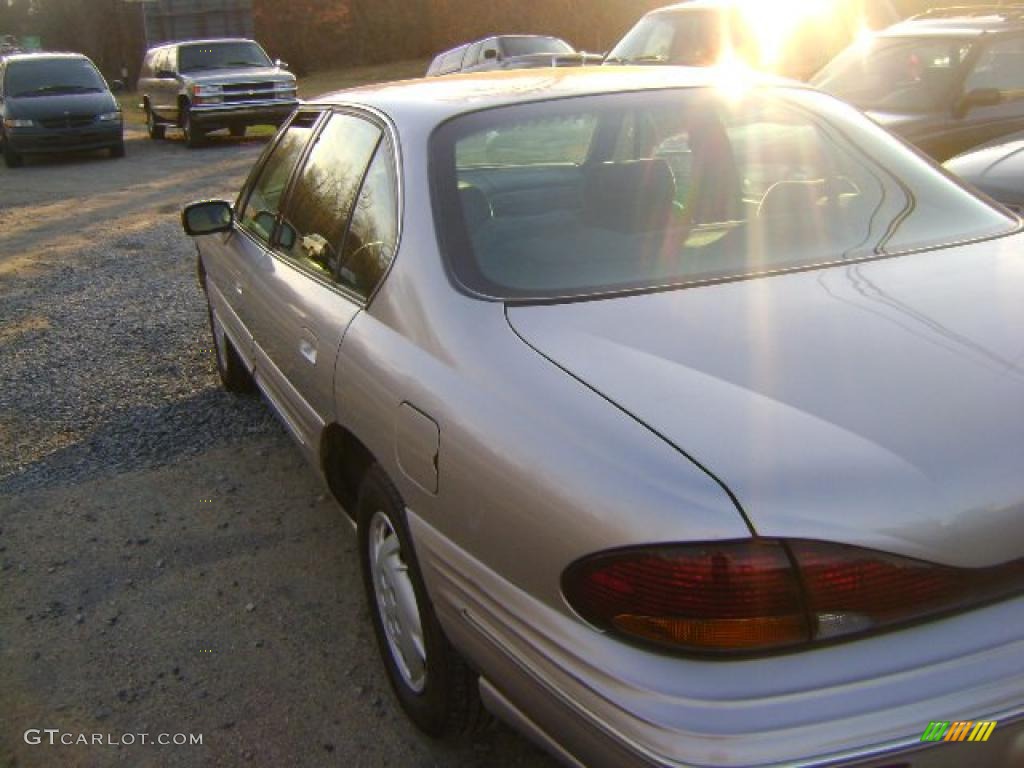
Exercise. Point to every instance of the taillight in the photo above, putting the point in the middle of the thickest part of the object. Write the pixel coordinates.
(760, 595)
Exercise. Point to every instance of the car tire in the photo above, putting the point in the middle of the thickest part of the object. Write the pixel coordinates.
(194, 137)
(155, 130)
(117, 150)
(238, 131)
(11, 158)
(232, 371)
(434, 685)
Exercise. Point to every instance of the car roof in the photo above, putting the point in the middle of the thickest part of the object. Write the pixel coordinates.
(443, 97)
(960, 20)
(203, 41)
(40, 55)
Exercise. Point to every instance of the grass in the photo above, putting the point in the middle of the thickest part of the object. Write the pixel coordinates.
(310, 86)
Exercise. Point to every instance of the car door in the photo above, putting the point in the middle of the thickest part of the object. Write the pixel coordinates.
(230, 260)
(319, 275)
(998, 69)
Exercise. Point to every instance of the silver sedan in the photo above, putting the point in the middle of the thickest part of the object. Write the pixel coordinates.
(679, 415)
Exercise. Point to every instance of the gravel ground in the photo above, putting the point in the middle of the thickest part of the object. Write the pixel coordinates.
(168, 563)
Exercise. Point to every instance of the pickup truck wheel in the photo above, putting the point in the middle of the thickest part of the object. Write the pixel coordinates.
(232, 372)
(434, 686)
(194, 136)
(155, 130)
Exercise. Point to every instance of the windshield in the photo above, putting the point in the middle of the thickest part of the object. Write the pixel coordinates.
(192, 58)
(693, 37)
(524, 46)
(41, 77)
(896, 74)
(599, 194)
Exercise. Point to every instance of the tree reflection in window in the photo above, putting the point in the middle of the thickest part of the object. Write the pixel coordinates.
(325, 192)
(370, 244)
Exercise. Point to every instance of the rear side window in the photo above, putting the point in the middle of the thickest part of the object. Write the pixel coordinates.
(325, 194)
(373, 235)
(259, 213)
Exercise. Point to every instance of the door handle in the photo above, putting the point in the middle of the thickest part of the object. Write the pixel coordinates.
(308, 351)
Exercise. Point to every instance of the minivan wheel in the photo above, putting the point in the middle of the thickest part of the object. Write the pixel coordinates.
(434, 685)
(194, 136)
(11, 158)
(233, 373)
(117, 150)
(155, 129)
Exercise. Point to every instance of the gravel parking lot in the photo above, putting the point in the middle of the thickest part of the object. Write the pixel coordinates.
(168, 563)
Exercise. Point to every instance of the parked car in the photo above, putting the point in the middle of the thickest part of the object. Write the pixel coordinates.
(510, 52)
(997, 169)
(699, 33)
(205, 85)
(947, 80)
(679, 424)
(56, 102)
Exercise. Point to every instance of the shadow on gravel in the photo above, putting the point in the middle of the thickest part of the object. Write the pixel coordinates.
(144, 438)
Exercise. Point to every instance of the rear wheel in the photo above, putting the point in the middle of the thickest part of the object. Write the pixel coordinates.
(155, 129)
(433, 684)
(238, 131)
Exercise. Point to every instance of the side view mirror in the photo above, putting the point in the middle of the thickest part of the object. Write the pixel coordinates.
(207, 217)
(979, 97)
(491, 53)
(116, 86)
(280, 64)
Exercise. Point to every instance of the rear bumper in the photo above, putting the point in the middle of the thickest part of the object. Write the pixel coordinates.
(594, 701)
(248, 113)
(37, 140)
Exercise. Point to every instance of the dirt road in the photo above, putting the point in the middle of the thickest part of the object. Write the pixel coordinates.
(168, 563)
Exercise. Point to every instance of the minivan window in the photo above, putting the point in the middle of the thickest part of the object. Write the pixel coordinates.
(373, 234)
(42, 77)
(704, 185)
(319, 207)
(192, 58)
(259, 213)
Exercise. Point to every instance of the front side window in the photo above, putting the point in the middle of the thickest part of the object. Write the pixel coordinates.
(228, 55)
(681, 187)
(260, 211)
(325, 192)
(898, 74)
(44, 77)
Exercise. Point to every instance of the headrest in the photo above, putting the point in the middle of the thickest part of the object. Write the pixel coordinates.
(792, 198)
(475, 207)
(635, 196)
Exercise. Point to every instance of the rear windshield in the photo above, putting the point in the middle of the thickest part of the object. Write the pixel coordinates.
(599, 194)
(41, 77)
(897, 74)
(524, 46)
(192, 58)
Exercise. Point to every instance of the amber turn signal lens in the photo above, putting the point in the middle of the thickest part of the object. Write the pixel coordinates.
(716, 634)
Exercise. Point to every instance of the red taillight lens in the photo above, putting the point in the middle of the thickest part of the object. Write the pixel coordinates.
(763, 595)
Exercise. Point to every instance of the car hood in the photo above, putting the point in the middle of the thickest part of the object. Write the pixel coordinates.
(878, 404)
(998, 169)
(46, 107)
(241, 75)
